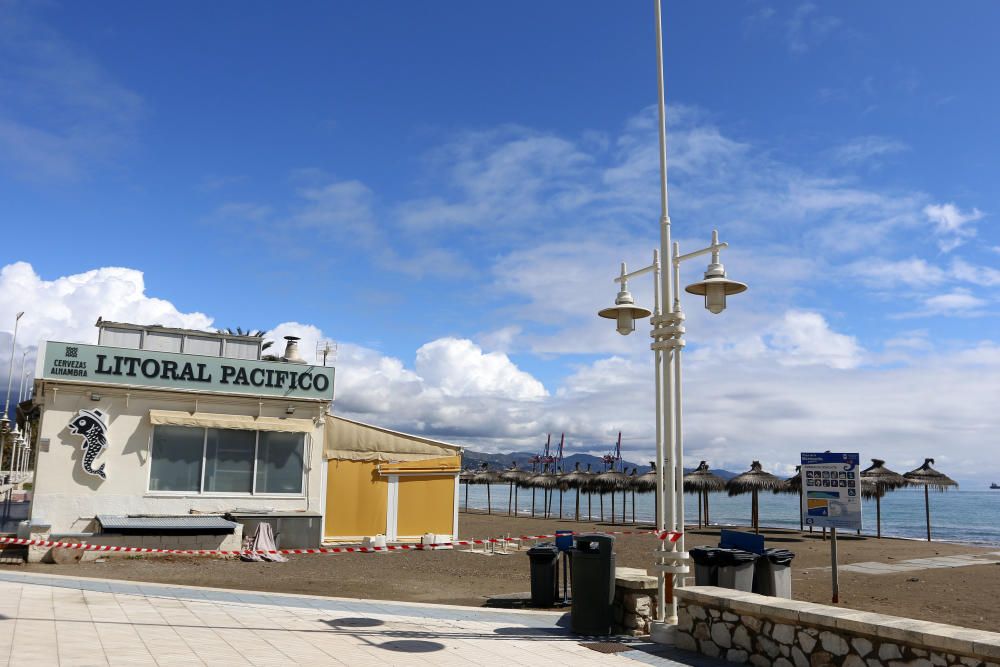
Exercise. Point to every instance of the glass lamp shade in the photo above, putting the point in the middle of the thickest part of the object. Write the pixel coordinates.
(626, 324)
(715, 298)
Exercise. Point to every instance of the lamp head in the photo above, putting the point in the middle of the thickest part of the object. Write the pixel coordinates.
(625, 312)
(715, 288)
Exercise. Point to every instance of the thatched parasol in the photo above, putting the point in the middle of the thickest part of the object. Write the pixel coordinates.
(703, 481)
(545, 481)
(465, 477)
(753, 481)
(488, 477)
(928, 477)
(879, 481)
(610, 481)
(516, 478)
(579, 480)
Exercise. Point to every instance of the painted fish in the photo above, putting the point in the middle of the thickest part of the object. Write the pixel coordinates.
(93, 427)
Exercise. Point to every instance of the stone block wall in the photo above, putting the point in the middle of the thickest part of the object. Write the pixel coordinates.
(747, 628)
(635, 601)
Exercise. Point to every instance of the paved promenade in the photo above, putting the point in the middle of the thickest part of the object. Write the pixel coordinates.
(57, 620)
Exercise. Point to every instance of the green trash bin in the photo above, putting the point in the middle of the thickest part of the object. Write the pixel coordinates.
(593, 559)
(544, 574)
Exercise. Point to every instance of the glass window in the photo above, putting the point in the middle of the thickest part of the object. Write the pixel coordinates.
(176, 459)
(279, 462)
(229, 458)
(162, 342)
(201, 345)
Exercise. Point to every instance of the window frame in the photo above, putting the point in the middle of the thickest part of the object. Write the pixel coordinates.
(228, 494)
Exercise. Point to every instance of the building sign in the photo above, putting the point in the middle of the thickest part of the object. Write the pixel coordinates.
(99, 364)
(92, 426)
(831, 490)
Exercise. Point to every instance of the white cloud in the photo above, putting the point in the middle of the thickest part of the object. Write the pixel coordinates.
(957, 302)
(867, 149)
(951, 224)
(886, 274)
(984, 276)
(804, 338)
(459, 367)
(806, 29)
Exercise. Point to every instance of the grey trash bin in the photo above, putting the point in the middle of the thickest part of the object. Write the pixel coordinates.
(706, 565)
(736, 568)
(593, 563)
(544, 574)
(773, 573)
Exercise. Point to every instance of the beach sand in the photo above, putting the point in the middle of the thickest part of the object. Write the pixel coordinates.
(965, 596)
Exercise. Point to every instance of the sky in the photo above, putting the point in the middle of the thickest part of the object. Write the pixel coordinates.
(446, 189)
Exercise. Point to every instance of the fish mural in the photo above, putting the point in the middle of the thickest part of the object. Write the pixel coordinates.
(92, 425)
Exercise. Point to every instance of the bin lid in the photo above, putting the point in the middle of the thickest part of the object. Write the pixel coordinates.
(544, 549)
(705, 555)
(779, 556)
(736, 556)
(594, 543)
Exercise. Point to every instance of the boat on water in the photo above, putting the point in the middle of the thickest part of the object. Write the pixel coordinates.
(994, 485)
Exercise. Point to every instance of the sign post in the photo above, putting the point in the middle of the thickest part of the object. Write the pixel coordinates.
(831, 498)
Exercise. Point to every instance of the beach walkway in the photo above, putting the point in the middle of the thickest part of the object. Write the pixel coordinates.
(916, 564)
(61, 620)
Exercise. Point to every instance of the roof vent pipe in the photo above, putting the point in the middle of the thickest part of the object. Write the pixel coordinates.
(292, 351)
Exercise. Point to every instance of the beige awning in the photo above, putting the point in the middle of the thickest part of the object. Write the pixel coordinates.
(240, 422)
(354, 441)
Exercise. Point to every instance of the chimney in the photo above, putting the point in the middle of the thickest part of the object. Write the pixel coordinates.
(292, 351)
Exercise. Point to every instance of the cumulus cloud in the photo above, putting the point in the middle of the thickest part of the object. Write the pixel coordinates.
(804, 338)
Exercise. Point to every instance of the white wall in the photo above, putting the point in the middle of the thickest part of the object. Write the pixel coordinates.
(69, 499)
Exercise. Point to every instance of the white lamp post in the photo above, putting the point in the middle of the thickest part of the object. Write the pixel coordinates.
(668, 332)
(4, 420)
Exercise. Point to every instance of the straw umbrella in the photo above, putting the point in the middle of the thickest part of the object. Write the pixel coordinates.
(753, 481)
(577, 479)
(488, 477)
(516, 478)
(703, 481)
(466, 478)
(881, 481)
(929, 477)
(610, 481)
(545, 481)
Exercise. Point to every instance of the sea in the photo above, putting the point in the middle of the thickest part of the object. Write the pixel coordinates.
(968, 517)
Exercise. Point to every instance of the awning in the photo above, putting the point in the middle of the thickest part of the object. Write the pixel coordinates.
(354, 441)
(239, 422)
(445, 466)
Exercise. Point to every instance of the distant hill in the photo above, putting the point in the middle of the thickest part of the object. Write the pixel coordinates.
(474, 460)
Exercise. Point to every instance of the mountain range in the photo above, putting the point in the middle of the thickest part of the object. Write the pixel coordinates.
(473, 460)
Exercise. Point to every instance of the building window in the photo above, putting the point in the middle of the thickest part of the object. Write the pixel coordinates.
(199, 460)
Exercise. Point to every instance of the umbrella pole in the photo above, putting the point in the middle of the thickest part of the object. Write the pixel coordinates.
(590, 512)
(602, 507)
(532, 502)
(612, 508)
(800, 507)
(489, 501)
(624, 504)
(510, 497)
(517, 489)
(927, 510)
(576, 492)
(753, 509)
(701, 502)
(560, 503)
(466, 496)
(878, 516)
(633, 507)
(707, 521)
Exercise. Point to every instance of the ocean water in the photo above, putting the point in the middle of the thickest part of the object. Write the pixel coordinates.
(971, 517)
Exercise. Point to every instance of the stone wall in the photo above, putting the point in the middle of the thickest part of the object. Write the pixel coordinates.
(635, 601)
(748, 628)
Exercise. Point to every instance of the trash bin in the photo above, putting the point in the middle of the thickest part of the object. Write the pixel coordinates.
(593, 559)
(773, 573)
(544, 574)
(736, 568)
(706, 565)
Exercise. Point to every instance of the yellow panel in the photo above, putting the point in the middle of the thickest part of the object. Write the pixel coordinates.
(426, 505)
(444, 464)
(356, 499)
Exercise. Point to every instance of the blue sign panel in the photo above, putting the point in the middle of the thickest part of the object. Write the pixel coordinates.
(831, 490)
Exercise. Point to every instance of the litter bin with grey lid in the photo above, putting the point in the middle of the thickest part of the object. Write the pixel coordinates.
(544, 574)
(593, 559)
(736, 569)
(773, 573)
(706, 565)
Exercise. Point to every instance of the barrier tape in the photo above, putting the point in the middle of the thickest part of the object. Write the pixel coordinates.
(673, 536)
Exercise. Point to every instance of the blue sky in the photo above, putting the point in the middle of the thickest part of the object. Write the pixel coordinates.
(447, 188)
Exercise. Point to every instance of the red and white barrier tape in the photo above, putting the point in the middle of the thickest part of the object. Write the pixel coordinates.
(671, 535)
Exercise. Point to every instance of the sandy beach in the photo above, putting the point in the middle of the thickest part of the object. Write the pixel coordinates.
(965, 596)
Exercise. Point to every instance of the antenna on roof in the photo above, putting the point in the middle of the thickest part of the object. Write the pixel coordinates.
(327, 351)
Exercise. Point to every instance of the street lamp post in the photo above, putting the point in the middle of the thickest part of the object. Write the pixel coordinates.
(668, 340)
(5, 420)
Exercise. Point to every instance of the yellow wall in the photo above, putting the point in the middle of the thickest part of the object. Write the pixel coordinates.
(356, 499)
(426, 505)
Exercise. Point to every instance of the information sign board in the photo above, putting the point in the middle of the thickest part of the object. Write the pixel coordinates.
(831, 490)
